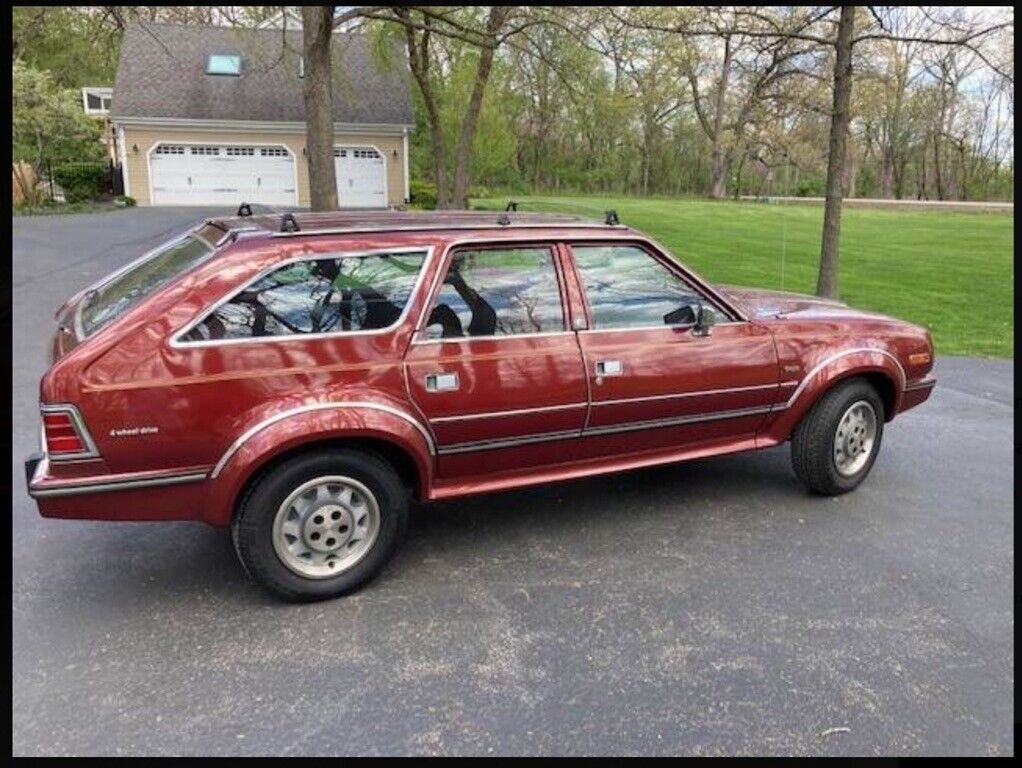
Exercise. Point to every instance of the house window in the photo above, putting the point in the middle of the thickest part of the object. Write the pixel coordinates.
(223, 64)
(96, 101)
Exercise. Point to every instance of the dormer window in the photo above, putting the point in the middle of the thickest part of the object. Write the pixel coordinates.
(223, 64)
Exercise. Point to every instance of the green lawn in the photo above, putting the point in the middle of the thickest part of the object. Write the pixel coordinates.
(952, 272)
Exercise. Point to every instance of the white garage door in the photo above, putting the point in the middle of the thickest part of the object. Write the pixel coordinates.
(222, 174)
(361, 177)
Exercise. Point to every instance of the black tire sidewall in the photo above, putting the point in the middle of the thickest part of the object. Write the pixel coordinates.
(841, 400)
(253, 525)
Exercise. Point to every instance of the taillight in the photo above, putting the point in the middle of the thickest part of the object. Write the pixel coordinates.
(65, 433)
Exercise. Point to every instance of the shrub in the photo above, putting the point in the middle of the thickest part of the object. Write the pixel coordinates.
(80, 181)
(423, 194)
(124, 201)
(811, 187)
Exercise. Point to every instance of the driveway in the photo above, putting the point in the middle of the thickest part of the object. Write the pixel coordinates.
(707, 608)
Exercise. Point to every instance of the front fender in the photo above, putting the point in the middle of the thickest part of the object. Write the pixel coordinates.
(274, 435)
(823, 375)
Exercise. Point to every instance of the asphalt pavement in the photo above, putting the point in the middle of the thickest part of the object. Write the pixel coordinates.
(707, 608)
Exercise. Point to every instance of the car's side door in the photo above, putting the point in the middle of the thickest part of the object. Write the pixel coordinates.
(493, 366)
(657, 379)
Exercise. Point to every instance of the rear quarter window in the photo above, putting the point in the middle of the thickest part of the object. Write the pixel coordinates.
(332, 294)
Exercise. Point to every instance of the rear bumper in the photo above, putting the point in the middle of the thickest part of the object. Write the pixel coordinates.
(174, 495)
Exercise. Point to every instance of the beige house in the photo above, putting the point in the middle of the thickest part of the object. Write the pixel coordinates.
(208, 115)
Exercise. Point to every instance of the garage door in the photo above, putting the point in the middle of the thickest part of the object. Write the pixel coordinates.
(221, 174)
(361, 177)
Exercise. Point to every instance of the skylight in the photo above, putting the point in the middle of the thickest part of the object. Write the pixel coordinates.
(223, 64)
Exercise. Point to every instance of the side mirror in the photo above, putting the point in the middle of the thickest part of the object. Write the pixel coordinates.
(705, 318)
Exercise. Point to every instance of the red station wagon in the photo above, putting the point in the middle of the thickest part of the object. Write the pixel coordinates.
(302, 378)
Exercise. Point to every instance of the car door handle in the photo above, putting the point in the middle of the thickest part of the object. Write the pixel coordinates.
(441, 382)
(609, 368)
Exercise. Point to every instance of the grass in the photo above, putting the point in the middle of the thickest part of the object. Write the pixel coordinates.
(951, 272)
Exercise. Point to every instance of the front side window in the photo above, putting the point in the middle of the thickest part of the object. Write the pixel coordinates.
(627, 288)
(497, 292)
(334, 294)
(115, 297)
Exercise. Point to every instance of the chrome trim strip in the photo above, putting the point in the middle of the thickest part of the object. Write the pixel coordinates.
(491, 337)
(90, 452)
(115, 485)
(509, 442)
(484, 445)
(675, 395)
(924, 384)
(675, 328)
(679, 420)
(236, 445)
(501, 414)
(837, 355)
(177, 343)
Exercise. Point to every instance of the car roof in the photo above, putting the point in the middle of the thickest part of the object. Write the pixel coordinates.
(347, 222)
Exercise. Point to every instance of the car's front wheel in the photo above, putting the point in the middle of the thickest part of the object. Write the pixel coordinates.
(835, 445)
(322, 524)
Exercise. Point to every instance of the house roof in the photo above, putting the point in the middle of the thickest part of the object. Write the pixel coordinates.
(162, 74)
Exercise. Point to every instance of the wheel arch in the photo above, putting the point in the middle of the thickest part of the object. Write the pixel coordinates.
(394, 436)
(880, 368)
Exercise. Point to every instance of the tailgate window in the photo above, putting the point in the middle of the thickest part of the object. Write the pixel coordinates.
(126, 289)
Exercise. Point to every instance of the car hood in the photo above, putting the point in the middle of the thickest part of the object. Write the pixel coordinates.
(759, 302)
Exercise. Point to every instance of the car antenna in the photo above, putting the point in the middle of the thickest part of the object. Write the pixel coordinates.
(612, 220)
(244, 210)
(288, 223)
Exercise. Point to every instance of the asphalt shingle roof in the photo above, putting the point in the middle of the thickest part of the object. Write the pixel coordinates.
(162, 73)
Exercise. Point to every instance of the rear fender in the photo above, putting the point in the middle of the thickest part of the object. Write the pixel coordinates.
(824, 375)
(304, 425)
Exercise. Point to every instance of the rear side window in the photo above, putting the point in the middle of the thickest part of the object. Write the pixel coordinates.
(115, 297)
(497, 292)
(335, 294)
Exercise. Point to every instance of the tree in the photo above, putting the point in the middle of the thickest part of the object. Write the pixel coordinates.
(826, 283)
(317, 91)
(47, 125)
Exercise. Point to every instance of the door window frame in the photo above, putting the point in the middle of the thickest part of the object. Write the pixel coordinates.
(553, 245)
(660, 256)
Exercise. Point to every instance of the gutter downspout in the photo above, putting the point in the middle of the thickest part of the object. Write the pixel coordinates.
(122, 156)
(404, 139)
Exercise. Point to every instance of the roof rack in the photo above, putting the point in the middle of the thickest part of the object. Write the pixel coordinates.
(288, 223)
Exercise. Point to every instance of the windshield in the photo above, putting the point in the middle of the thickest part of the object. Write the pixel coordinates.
(115, 297)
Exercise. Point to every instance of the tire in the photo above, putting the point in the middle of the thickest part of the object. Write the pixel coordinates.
(346, 510)
(815, 444)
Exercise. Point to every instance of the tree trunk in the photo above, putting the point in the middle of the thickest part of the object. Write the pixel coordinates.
(826, 284)
(418, 62)
(463, 155)
(317, 90)
(887, 174)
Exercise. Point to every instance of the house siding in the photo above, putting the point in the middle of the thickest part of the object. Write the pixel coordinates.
(137, 164)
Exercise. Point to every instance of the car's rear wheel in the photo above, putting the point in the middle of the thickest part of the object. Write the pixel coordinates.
(322, 524)
(835, 445)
